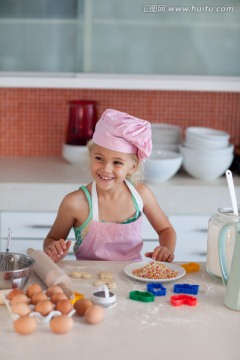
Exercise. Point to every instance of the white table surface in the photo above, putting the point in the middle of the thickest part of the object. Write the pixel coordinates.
(132, 329)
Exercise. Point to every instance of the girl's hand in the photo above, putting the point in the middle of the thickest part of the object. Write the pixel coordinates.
(161, 253)
(58, 249)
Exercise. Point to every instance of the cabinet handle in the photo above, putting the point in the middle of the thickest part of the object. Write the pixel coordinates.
(39, 226)
(203, 230)
(150, 240)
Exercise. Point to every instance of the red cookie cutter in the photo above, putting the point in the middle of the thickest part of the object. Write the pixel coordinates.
(178, 300)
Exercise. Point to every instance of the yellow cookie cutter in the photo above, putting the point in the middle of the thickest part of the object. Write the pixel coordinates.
(77, 296)
(191, 267)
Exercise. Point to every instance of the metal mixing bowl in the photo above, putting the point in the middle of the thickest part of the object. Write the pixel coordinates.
(20, 271)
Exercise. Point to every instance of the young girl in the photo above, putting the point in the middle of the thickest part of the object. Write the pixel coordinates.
(107, 213)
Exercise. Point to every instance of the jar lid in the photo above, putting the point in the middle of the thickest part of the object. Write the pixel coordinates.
(82, 103)
(102, 296)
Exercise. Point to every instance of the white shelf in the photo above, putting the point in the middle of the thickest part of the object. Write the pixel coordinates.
(119, 81)
(37, 21)
(141, 23)
(113, 22)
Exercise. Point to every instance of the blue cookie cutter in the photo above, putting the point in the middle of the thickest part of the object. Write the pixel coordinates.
(186, 289)
(143, 296)
(156, 289)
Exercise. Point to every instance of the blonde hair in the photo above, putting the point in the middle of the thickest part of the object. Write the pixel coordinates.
(138, 175)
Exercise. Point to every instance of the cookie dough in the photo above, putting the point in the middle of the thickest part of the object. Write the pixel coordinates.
(111, 284)
(86, 275)
(75, 274)
(80, 275)
(98, 282)
(106, 275)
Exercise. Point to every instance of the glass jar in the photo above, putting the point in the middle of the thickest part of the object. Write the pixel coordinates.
(81, 122)
(216, 222)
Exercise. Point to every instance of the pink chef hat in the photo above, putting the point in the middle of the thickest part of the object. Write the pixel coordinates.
(124, 133)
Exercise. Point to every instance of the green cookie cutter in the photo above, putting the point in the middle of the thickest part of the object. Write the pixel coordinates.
(143, 296)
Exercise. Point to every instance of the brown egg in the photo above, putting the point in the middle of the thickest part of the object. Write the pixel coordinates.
(33, 289)
(21, 309)
(13, 293)
(65, 306)
(94, 314)
(20, 298)
(38, 297)
(44, 307)
(61, 324)
(58, 296)
(25, 325)
(54, 289)
(81, 306)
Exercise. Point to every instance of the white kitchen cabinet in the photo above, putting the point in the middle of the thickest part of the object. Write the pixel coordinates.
(148, 246)
(119, 37)
(40, 35)
(150, 238)
(191, 237)
(29, 229)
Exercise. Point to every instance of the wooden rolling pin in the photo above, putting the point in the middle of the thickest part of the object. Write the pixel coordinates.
(49, 272)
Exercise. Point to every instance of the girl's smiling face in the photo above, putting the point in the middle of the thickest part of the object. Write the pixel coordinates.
(109, 167)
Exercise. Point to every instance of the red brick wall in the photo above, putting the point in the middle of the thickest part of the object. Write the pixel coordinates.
(33, 121)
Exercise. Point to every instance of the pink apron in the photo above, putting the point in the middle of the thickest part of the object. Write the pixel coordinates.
(112, 241)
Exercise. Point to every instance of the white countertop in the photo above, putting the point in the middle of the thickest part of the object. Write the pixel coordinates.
(39, 184)
(132, 329)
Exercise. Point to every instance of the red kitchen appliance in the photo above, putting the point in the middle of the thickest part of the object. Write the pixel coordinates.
(81, 122)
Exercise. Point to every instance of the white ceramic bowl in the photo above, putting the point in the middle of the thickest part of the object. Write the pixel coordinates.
(207, 133)
(166, 134)
(198, 143)
(166, 147)
(189, 151)
(75, 154)
(200, 137)
(162, 165)
(205, 167)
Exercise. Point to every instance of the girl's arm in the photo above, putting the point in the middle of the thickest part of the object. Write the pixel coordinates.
(55, 244)
(161, 224)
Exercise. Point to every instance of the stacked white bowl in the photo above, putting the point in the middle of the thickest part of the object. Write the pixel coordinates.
(166, 137)
(162, 165)
(207, 153)
(165, 160)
